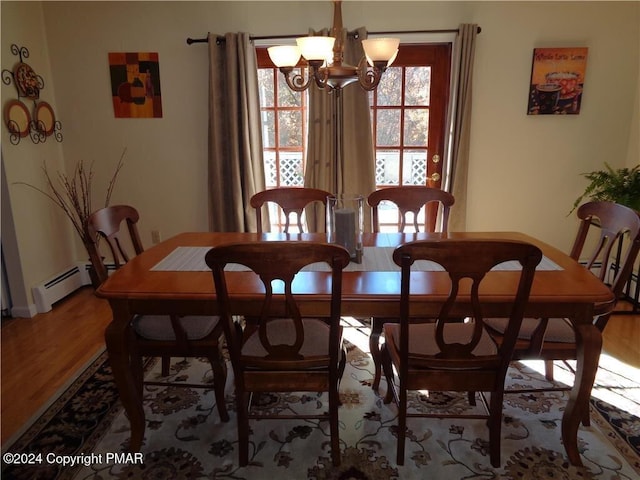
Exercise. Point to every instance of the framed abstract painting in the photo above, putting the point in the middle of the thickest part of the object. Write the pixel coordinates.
(135, 85)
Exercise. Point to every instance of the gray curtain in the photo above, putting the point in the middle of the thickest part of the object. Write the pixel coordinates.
(464, 57)
(356, 168)
(236, 169)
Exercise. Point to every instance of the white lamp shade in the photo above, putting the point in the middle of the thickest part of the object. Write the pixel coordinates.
(393, 59)
(284, 55)
(380, 49)
(316, 48)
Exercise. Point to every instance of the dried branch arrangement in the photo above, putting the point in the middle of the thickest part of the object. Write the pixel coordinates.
(73, 193)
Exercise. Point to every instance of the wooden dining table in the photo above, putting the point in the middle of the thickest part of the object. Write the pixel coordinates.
(149, 284)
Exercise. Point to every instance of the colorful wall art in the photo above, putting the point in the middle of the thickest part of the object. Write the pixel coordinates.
(135, 85)
(557, 81)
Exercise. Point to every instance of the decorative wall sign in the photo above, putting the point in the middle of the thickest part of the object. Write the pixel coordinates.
(557, 81)
(135, 85)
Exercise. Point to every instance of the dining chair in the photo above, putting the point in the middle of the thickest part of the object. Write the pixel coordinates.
(287, 351)
(449, 355)
(289, 200)
(607, 242)
(162, 336)
(408, 199)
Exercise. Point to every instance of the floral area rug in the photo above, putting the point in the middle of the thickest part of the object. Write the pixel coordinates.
(185, 438)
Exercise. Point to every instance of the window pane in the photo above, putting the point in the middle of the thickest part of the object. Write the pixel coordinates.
(418, 82)
(388, 214)
(388, 132)
(291, 172)
(390, 87)
(416, 126)
(265, 84)
(286, 96)
(387, 167)
(414, 168)
(290, 128)
(270, 176)
(268, 129)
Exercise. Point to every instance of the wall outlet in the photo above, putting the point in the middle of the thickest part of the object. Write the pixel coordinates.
(155, 236)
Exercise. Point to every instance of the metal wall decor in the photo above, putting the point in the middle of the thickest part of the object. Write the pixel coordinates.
(39, 123)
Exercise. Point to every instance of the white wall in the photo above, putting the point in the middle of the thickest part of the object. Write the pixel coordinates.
(45, 240)
(525, 170)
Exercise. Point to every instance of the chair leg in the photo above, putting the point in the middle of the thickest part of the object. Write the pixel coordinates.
(138, 373)
(219, 368)
(166, 366)
(242, 406)
(374, 349)
(495, 424)
(402, 425)
(472, 398)
(548, 370)
(334, 403)
(342, 365)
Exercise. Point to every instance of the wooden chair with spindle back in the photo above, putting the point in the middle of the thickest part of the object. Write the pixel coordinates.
(162, 336)
(449, 355)
(289, 200)
(611, 233)
(288, 351)
(408, 199)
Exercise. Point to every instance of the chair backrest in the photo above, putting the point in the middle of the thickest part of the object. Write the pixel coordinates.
(290, 200)
(106, 223)
(467, 263)
(274, 262)
(617, 229)
(411, 198)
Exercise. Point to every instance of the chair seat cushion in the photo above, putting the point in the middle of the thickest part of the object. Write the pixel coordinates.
(281, 331)
(558, 330)
(422, 337)
(158, 327)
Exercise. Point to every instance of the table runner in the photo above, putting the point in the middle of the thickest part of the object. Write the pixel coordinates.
(374, 259)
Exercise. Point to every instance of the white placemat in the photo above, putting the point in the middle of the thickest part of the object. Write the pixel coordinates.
(374, 259)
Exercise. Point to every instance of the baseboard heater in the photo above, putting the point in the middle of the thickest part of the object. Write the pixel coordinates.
(59, 286)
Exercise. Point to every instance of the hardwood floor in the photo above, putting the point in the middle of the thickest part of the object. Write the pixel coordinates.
(41, 354)
(621, 338)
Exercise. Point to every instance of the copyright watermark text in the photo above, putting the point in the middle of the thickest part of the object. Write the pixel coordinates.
(72, 460)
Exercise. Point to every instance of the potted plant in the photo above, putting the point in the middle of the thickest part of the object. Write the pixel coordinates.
(620, 186)
(73, 195)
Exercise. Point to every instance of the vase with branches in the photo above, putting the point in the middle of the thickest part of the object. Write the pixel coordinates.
(73, 195)
(620, 186)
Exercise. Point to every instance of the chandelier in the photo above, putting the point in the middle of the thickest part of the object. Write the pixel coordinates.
(325, 57)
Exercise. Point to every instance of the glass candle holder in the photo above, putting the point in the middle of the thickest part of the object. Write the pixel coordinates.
(345, 223)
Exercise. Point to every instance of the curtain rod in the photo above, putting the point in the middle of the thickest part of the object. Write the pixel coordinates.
(269, 37)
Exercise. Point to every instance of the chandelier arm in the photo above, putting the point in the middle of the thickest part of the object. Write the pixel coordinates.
(370, 78)
(320, 75)
(296, 81)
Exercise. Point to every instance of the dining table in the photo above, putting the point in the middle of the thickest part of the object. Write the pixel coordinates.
(171, 277)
